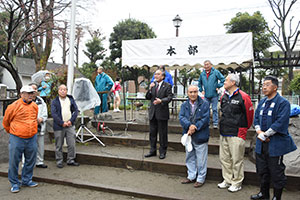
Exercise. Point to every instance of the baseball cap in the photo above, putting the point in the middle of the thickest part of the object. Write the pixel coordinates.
(27, 88)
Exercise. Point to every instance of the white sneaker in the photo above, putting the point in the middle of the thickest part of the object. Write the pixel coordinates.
(115, 110)
(223, 185)
(234, 188)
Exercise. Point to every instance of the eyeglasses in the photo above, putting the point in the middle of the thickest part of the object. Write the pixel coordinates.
(267, 85)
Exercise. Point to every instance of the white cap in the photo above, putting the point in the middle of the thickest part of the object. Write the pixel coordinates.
(27, 88)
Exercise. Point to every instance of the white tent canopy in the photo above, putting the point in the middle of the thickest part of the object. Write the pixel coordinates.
(225, 51)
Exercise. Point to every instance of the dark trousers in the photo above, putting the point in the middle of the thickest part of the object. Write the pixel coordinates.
(270, 168)
(160, 126)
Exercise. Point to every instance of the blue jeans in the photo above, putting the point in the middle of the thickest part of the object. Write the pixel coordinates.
(214, 102)
(17, 146)
(196, 162)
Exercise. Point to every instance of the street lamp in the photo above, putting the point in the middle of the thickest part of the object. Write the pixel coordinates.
(177, 23)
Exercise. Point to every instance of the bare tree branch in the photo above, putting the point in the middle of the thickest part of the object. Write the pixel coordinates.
(296, 39)
(273, 5)
(290, 6)
(281, 10)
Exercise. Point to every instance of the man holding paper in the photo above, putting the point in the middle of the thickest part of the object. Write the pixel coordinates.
(194, 119)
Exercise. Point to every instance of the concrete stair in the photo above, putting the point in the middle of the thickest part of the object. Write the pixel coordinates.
(121, 168)
(135, 184)
(129, 142)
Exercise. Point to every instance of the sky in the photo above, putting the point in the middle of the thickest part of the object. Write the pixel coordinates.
(200, 17)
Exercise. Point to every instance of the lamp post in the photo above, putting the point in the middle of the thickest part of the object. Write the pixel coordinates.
(177, 23)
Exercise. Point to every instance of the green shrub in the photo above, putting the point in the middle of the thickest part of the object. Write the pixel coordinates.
(295, 85)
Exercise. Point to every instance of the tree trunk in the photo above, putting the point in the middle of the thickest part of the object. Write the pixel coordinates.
(14, 73)
(291, 69)
(40, 51)
(136, 83)
(64, 43)
(259, 89)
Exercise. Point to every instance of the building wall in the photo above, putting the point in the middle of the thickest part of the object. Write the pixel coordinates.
(8, 80)
(131, 86)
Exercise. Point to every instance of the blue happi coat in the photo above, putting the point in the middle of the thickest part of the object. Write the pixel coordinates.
(278, 117)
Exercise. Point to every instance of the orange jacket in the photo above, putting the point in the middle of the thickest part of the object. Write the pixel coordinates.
(20, 119)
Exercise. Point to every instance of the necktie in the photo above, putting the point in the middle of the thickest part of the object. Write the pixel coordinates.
(157, 88)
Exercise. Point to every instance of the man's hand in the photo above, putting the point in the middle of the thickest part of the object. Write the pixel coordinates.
(261, 136)
(192, 129)
(152, 85)
(69, 123)
(40, 120)
(65, 124)
(157, 101)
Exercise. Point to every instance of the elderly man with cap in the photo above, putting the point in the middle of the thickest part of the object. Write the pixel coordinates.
(20, 121)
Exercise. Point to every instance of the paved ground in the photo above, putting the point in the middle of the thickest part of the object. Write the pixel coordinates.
(143, 181)
(46, 191)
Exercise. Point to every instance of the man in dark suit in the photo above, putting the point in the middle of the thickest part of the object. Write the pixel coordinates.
(160, 94)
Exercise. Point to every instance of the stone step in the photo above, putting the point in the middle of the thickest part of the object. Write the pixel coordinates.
(134, 138)
(49, 189)
(172, 128)
(174, 164)
(133, 157)
(130, 182)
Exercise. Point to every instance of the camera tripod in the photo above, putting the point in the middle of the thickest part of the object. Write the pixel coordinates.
(81, 130)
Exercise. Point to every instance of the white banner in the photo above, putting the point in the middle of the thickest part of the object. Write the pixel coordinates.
(229, 50)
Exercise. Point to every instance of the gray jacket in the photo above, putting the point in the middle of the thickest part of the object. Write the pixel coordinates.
(43, 113)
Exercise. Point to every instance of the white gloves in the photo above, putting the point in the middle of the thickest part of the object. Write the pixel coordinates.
(262, 137)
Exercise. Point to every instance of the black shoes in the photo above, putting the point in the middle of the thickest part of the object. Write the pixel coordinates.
(73, 164)
(277, 194)
(41, 166)
(259, 196)
(150, 154)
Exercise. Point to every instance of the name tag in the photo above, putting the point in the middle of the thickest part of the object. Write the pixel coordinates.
(270, 113)
(272, 105)
(261, 112)
(234, 102)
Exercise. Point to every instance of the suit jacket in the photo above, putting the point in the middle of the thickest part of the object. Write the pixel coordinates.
(160, 111)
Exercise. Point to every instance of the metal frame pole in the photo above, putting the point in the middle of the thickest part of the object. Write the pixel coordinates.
(72, 46)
